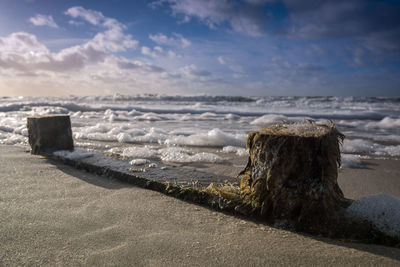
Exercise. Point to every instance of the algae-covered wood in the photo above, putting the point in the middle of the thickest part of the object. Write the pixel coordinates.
(291, 175)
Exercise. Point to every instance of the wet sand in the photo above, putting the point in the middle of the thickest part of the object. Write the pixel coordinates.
(52, 214)
(376, 176)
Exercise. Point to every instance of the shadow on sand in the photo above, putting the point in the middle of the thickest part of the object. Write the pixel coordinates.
(114, 184)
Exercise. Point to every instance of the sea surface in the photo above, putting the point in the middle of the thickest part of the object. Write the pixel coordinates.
(178, 123)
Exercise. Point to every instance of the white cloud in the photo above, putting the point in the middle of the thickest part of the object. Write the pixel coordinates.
(138, 65)
(246, 18)
(179, 40)
(90, 66)
(91, 16)
(231, 64)
(194, 71)
(113, 38)
(74, 22)
(221, 60)
(23, 52)
(157, 51)
(43, 20)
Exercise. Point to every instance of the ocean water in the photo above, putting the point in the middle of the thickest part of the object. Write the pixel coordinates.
(179, 123)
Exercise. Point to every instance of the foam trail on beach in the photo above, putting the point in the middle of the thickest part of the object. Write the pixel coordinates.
(382, 210)
(167, 154)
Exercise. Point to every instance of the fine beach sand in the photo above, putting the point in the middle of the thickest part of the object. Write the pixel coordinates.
(54, 215)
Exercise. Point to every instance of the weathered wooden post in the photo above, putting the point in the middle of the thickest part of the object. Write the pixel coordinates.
(49, 133)
(291, 175)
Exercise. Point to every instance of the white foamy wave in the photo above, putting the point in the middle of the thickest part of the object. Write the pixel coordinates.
(358, 146)
(154, 135)
(123, 134)
(10, 124)
(208, 115)
(96, 136)
(382, 210)
(22, 130)
(240, 151)
(192, 120)
(215, 137)
(386, 123)
(48, 110)
(150, 116)
(231, 116)
(368, 147)
(389, 150)
(351, 161)
(268, 119)
(12, 139)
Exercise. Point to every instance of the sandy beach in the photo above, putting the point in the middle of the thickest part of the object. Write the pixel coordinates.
(52, 214)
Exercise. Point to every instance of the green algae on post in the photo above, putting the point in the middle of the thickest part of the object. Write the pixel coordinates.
(291, 175)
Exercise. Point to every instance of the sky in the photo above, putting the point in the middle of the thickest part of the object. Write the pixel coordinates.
(190, 47)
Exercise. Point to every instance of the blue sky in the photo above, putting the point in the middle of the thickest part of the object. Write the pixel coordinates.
(224, 47)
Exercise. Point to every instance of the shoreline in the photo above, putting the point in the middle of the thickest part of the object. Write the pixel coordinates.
(55, 214)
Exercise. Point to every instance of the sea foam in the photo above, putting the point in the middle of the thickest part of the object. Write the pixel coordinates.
(368, 147)
(214, 121)
(214, 137)
(168, 154)
(382, 210)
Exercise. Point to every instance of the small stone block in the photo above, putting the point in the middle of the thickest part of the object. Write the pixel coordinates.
(50, 133)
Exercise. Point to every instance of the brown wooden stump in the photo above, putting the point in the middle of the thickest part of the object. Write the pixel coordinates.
(49, 133)
(291, 175)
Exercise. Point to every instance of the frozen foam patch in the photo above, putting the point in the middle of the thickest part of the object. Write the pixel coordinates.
(382, 210)
(268, 119)
(77, 153)
(215, 137)
(240, 151)
(351, 161)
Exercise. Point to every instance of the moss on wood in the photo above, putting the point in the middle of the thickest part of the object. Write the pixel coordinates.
(291, 174)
